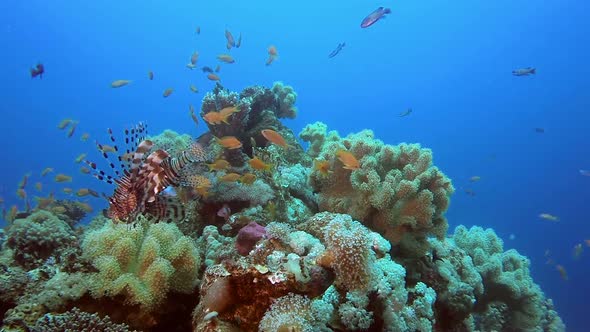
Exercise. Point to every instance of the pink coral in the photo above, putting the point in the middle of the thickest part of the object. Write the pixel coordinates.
(248, 236)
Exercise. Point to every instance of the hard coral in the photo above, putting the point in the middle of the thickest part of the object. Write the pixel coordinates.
(38, 237)
(143, 264)
(395, 191)
(76, 320)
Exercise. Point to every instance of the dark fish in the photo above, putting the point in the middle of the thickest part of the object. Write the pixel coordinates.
(336, 50)
(37, 71)
(239, 42)
(539, 130)
(405, 113)
(207, 69)
(524, 71)
(470, 192)
(375, 16)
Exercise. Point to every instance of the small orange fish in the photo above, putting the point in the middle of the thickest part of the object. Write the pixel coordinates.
(226, 58)
(248, 178)
(64, 123)
(213, 77)
(193, 88)
(349, 161)
(194, 58)
(239, 42)
(587, 242)
(12, 214)
(85, 207)
(229, 142)
(84, 170)
(190, 66)
(85, 137)
(322, 166)
(167, 92)
(43, 203)
(72, 129)
(63, 178)
(562, 272)
(46, 171)
(82, 192)
(80, 158)
(108, 149)
(258, 164)
(39, 186)
(230, 177)
(217, 68)
(23, 182)
(150, 75)
(215, 118)
(202, 185)
(68, 190)
(274, 137)
(475, 178)
(218, 165)
(227, 111)
(193, 115)
(21, 193)
(230, 39)
(272, 50)
(119, 83)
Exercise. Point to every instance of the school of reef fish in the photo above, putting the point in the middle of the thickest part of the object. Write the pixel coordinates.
(244, 229)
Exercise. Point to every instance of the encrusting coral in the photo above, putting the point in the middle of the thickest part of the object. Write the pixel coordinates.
(395, 190)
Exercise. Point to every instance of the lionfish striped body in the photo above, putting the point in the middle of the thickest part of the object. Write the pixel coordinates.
(143, 178)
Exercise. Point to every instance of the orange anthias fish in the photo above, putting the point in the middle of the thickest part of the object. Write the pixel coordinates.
(548, 216)
(119, 83)
(63, 178)
(215, 118)
(80, 158)
(258, 164)
(274, 137)
(349, 161)
(213, 77)
(230, 177)
(322, 166)
(191, 110)
(218, 165)
(226, 58)
(194, 58)
(64, 123)
(217, 68)
(475, 178)
(167, 92)
(562, 272)
(230, 39)
(248, 178)
(229, 142)
(72, 129)
(46, 171)
(193, 89)
(85, 137)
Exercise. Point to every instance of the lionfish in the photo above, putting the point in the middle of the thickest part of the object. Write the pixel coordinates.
(140, 179)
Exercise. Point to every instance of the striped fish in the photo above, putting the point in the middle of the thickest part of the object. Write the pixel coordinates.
(141, 179)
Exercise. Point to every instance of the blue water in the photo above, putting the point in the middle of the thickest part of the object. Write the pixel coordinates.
(450, 61)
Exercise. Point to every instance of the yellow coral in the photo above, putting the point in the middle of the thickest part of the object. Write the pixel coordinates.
(143, 264)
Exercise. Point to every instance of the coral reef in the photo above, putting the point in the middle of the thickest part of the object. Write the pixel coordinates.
(348, 235)
(395, 190)
(76, 320)
(39, 236)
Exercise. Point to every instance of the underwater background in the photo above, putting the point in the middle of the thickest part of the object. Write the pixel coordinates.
(450, 62)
